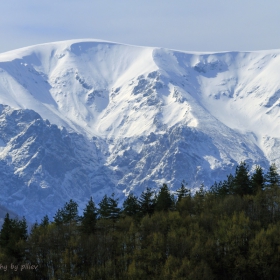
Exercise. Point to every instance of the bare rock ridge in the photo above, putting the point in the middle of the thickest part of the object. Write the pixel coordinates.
(83, 118)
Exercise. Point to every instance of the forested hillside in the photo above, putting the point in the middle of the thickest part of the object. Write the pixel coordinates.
(228, 232)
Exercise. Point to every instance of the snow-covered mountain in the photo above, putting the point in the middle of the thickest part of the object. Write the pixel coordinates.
(82, 118)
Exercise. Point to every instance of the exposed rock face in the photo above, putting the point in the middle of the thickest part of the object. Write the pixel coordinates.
(82, 119)
(40, 163)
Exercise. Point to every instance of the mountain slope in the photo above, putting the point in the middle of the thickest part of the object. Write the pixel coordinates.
(133, 117)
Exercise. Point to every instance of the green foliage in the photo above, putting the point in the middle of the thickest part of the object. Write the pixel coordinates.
(147, 202)
(108, 208)
(223, 188)
(257, 180)
(182, 192)
(12, 236)
(272, 177)
(229, 232)
(164, 200)
(199, 199)
(241, 182)
(45, 221)
(88, 220)
(68, 214)
(131, 206)
(264, 252)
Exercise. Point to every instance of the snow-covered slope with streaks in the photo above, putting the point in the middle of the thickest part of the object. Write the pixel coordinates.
(88, 117)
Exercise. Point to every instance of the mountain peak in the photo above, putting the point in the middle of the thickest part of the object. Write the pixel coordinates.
(146, 115)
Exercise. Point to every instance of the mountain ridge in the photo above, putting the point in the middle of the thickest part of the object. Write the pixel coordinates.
(145, 115)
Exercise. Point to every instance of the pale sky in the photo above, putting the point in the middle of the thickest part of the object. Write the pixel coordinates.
(189, 25)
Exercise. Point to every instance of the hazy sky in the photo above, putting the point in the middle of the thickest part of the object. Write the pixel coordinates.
(190, 25)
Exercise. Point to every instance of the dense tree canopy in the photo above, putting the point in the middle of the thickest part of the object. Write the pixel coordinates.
(228, 232)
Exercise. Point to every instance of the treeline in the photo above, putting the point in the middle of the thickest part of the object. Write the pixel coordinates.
(230, 231)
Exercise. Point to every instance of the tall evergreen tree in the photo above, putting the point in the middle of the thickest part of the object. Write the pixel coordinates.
(223, 188)
(272, 177)
(104, 208)
(147, 202)
(68, 214)
(228, 185)
(45, 221)
(88, 220)
(131, 206)
(12, 233)
(182, 192)
(58, 217)
(114, 209)
(198, 199)
(108, 207)
(257, 180)
(6, 231)
(164, 200)
(241, 183)
(34, 226)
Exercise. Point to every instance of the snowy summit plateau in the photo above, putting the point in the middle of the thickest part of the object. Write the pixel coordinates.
(83, 118)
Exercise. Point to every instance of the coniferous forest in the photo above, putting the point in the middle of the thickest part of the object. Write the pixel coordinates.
(230, 231)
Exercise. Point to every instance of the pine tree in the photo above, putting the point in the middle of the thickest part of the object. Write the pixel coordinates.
(68, 214)
(147, 202)
(12, 234)
(223, 188)
(131, 206)
(182, 192)
(34, 227)
(6, 231)
(88, 220)
(228, 185)
(241, 183)
(108, 207)
(257, 180)
(114, 209)
(58, 217)
(272, 177)
(21, 228)
(216, 188)
(164, 201)
(104, 208)
(198, 199)
(45, 221)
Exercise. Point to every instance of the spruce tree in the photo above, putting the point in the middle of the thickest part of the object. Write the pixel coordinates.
(6, 231)
(104, 208)
(108, 207)
(13, 232)
(257, 180)
(58, 217)
(45, 221)
(34, 227)
(147, 202)
(272, 177)
(131, 206)
(223, 188)
(228, 185)
(114, 209)
(164, 200)
(88, 220)
(182, 192)
(198, 199)
(218, 189)
(68, 214)
(22, 228)
(241, 183)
